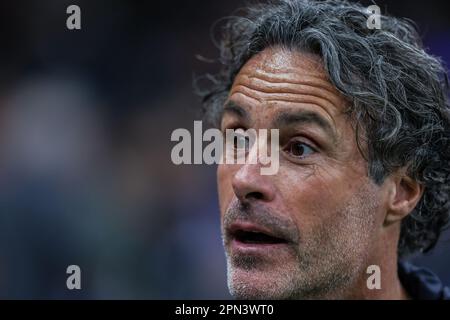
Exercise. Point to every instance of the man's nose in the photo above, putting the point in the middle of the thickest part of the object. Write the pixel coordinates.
(249, 185)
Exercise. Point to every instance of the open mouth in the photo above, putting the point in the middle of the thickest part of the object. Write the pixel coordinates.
(256, 237)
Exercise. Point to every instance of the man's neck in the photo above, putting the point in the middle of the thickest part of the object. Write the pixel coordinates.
(391, 287)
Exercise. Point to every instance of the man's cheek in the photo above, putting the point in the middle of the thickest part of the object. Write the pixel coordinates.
(316, 211)
(224, 187)
(312, 199)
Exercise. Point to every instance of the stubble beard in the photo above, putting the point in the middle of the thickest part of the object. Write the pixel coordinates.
(325, 265)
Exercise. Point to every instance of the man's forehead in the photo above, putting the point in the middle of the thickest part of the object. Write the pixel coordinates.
(278, 77)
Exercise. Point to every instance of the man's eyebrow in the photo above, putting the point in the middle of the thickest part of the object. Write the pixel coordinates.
(284, 119)
(234, 108)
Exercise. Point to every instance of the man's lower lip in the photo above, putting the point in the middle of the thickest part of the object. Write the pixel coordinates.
(245, 247)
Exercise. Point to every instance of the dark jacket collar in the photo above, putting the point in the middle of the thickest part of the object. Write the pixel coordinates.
(421, 283)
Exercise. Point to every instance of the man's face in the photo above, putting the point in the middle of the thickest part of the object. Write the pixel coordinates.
(308, 230)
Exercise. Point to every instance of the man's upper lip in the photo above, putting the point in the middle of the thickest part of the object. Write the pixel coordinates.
(247, 226)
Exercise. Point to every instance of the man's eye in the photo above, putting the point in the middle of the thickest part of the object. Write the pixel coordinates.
(299, 149)
(241, 142)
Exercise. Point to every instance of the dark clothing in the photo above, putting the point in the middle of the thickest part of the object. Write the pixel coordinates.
(421, 283)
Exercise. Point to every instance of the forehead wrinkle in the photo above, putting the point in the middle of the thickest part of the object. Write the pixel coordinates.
(311, 86)
(249, 94)
(286, 97)
(272, 99)
(292, 76)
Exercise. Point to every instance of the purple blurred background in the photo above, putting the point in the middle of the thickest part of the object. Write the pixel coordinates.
(85, 171)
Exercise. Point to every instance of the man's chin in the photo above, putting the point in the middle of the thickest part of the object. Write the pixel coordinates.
(259, 283)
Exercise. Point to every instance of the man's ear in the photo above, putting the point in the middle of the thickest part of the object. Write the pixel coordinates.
(404, 194)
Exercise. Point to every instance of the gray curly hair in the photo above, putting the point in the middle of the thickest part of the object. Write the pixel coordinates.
(398, 92)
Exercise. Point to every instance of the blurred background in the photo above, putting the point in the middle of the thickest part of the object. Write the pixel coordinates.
(85, 171)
